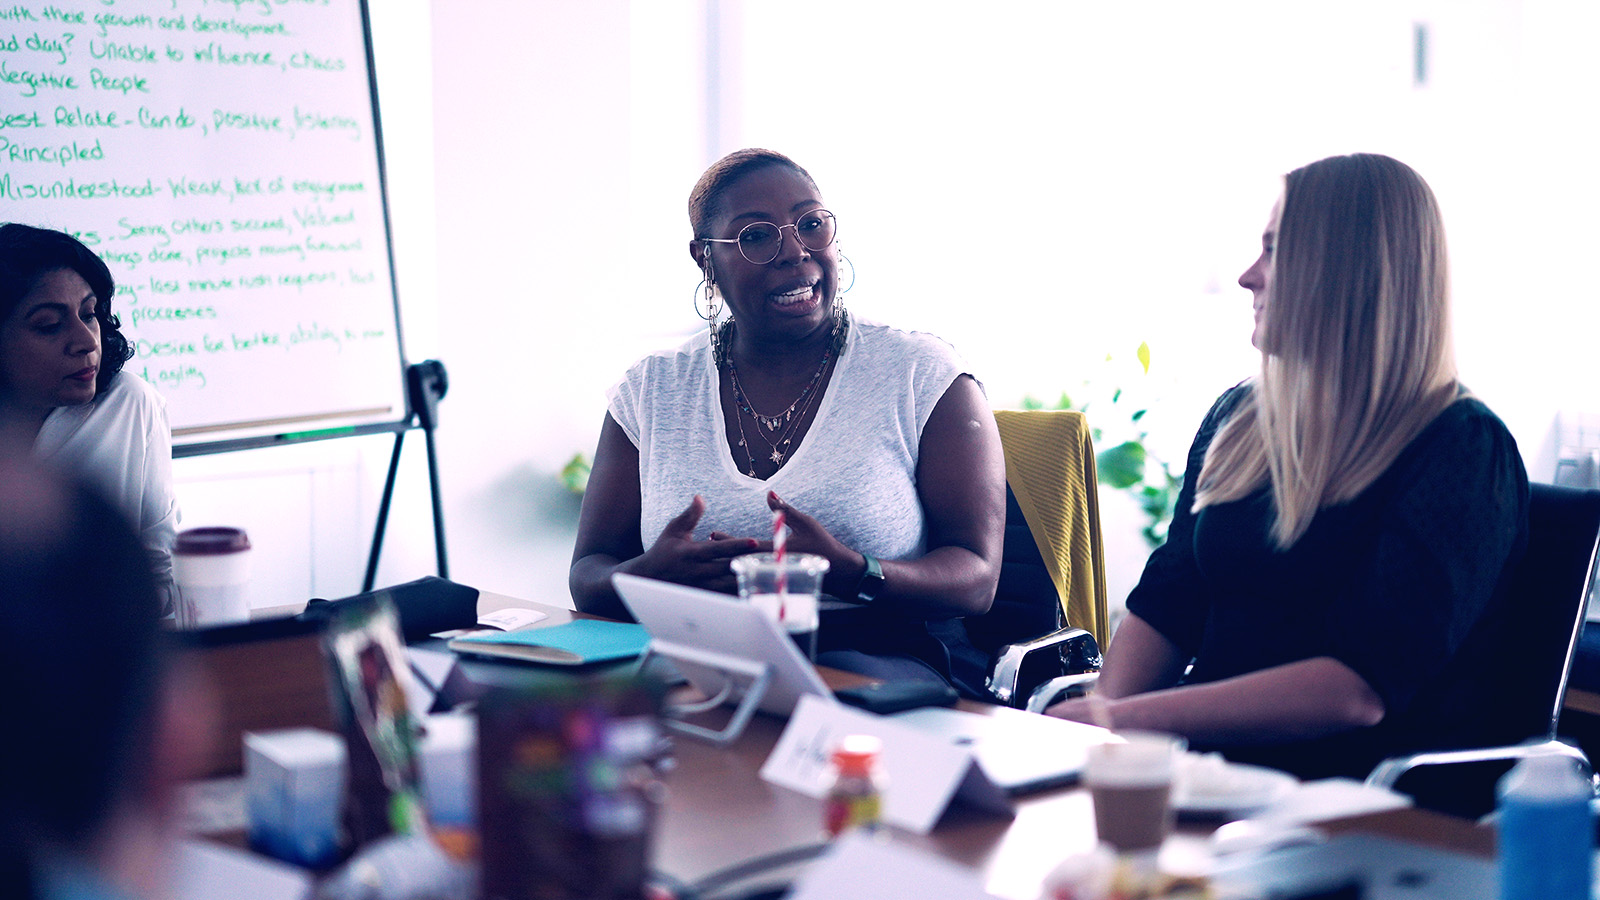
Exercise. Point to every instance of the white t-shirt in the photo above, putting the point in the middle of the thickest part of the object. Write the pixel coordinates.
(121, 442)
(855, 470)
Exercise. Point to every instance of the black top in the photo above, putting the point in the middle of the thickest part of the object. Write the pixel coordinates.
(1400, 584)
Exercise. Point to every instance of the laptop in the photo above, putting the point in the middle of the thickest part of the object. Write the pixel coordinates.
(1019, 751)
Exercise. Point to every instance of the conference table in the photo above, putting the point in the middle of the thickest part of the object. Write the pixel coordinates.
(718, 813)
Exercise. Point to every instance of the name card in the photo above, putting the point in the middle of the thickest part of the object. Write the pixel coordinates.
(924, 771)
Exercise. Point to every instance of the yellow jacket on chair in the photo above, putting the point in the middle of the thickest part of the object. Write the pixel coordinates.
(1050, 467)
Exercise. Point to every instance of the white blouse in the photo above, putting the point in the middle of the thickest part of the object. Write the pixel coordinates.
(855, 471)
(121, 442)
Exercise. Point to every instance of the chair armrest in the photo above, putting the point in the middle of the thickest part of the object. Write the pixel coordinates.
(1064, 688)
(1078, 650)
(1390, 770)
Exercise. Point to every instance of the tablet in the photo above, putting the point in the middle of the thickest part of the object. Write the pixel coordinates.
(679, 616)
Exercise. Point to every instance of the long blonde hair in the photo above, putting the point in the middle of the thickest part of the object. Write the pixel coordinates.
(1356, 357)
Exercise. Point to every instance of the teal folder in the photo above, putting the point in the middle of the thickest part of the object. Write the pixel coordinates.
(573, 644)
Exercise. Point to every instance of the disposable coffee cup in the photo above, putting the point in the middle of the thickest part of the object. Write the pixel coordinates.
(1131, 785)
(786, 591)
(211, 568)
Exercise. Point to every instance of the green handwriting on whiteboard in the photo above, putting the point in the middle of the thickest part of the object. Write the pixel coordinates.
(220, 156)
(183, 363)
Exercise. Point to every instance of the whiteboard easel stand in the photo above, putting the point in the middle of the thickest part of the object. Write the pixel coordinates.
(426, 383)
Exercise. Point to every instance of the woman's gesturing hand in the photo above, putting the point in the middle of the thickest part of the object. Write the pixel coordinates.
(676, 556)
(806, 535)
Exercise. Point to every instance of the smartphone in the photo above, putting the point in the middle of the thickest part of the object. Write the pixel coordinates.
(884, 697)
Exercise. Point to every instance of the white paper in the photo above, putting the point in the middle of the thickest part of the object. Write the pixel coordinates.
(924, 772)
(1390, 869)
(509, 619)
(213, 806)
(207, 871)
(1331, 798)
(1016, 749)
(862, 866)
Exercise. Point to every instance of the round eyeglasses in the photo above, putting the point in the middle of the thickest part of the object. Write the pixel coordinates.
(761, 242)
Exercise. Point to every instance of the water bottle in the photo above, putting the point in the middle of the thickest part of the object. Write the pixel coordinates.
(1546, 831)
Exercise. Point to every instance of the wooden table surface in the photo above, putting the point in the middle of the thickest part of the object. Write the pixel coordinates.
(719, 813)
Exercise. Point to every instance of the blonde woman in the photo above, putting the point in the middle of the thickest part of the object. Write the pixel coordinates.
(1346, 515)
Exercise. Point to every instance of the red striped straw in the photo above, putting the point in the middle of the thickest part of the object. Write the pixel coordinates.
(780, 536)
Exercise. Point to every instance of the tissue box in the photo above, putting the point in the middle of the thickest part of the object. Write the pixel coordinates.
(449, 765)
(294, 785)
(295, 782)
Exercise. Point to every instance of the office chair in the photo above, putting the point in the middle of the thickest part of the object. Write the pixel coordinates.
(1049, 615)
(1550, 585)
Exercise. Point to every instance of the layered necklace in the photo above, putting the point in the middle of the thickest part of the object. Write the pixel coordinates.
(778, 430)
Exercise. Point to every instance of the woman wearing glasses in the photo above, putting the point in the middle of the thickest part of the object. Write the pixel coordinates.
(1333, 568)
(875, 443)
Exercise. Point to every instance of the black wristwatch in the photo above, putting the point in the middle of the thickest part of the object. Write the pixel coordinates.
(871, 581)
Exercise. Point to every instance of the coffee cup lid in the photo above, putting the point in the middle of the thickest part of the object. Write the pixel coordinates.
(212, 541)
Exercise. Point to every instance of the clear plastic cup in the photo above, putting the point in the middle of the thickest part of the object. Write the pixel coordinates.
(786, 591)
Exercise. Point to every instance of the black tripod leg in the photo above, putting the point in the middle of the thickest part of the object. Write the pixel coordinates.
(383, 511)
(438, 505)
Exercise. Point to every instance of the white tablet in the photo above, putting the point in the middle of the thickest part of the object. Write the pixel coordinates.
(679, 616)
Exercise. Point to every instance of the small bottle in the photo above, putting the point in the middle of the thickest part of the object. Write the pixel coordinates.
(1546, 831)
(855, 798)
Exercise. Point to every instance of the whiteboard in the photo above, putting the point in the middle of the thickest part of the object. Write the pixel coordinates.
(223, 158)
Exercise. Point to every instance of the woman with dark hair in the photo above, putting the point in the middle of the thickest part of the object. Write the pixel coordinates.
(876, 443)
(63, 390)
(1336, 557)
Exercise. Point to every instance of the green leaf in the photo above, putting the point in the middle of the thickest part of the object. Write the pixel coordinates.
(1065, 402)
(1116, 395)
(1144, 357)
(1154, 535)
(1121, 466)
(1138, 415)
(575, 474)
(1031, 403)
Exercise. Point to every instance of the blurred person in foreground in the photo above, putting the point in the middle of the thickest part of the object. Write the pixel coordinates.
(875, 442)
(62, 385)
(104, 727)
(1334, 570)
